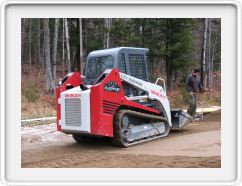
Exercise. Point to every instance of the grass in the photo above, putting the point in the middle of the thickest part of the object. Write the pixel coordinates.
(35, 102)
(31, 91)
(42, 107)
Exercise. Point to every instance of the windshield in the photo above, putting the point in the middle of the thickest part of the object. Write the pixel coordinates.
(96, 66)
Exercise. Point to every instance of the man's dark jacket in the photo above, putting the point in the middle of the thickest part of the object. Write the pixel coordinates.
(193, 83)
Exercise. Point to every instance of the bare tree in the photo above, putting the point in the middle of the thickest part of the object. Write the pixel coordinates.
(203, 78)
(67, 46)
(30, 41)
(81, 46)
(63, 48)
(213, 45)
(50, 84)
(38, 42)
(55, 43)
(141, 33)
(107, 26)
(209, 74)
(23, 40)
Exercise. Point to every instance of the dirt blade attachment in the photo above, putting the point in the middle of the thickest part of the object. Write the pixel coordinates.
(180, 119)
(132, 127)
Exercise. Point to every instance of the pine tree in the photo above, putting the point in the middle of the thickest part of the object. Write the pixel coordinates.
(178, 46)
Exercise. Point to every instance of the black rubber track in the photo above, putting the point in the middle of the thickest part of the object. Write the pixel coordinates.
(118, 141)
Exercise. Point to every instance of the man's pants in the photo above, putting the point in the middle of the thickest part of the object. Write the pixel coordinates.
(192, 104)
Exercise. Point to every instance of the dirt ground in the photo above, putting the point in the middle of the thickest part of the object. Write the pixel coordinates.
(196, 146)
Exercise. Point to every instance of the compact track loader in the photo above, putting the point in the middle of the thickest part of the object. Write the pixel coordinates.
(116, 99)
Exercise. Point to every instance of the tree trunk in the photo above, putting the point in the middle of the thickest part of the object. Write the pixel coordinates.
(162, 66)
(107, 26)
(209, 75)
(75, 64)
(203, 70)
(141, 33)
(63, 48)
(50, 85)
(30, 41)
(168, 63)
(168, 70)
(24, 43)
(38, 43)
(175, 76)
(86, 50)
(67, 46)
(43, 54)
(169, 77)
(55, 43)
(81, 47)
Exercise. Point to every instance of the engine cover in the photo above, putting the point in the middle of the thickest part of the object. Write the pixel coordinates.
(75, 111)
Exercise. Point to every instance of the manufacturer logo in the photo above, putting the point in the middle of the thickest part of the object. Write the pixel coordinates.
(112, 87)
(157, 94)
(72, 95)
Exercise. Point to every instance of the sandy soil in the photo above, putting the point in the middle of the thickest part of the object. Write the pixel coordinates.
(198, 145)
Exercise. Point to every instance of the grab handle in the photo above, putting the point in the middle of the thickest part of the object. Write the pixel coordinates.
(163, 83)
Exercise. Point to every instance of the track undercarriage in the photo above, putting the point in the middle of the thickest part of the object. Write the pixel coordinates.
(132, 127)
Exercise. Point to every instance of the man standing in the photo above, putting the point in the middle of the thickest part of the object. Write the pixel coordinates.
(193, 86)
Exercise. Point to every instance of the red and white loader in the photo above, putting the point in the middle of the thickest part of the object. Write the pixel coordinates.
(116, 100)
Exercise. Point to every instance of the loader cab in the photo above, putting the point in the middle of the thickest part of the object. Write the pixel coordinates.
(129, 60)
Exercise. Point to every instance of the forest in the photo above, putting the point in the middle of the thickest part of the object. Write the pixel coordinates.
(50, 48)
